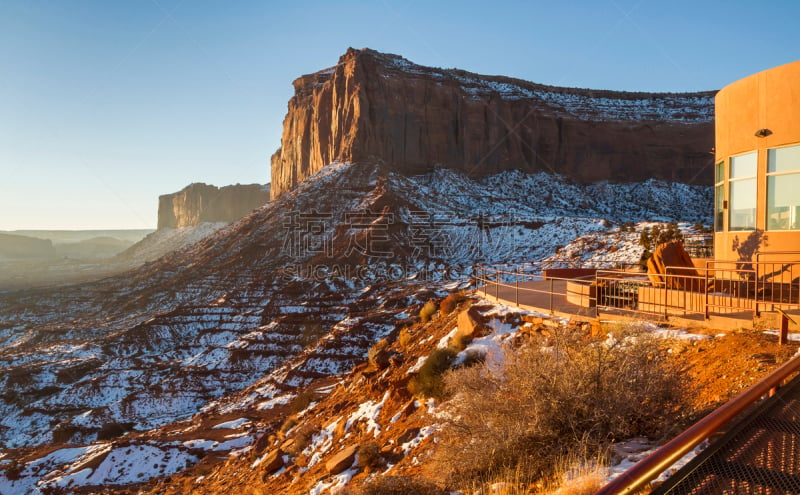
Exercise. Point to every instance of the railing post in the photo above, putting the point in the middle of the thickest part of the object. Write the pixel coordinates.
(784, 338)
(596, 296)
(475, 276)
(516, 286)
(756, 313)
(551, 295)
(705, 292)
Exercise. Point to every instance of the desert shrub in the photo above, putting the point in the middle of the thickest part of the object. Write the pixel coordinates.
(288, 424)
(404, 338)
(578, 474)
(302, 439)
(374, 353)
(113, 430)
(64, 433)
(472, 358)
(650, 239)
(427, 311)
(449, 303)
(460, 341)
(13, 470)
(562, 393)
(312, 331)
(400, 485)
(584, 480)
(369, 456)
(428, 382)
(302, 401)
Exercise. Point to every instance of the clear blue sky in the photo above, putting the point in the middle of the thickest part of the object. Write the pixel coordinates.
(104, 105)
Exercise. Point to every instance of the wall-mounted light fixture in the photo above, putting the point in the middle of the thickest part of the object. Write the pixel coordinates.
(763, 133)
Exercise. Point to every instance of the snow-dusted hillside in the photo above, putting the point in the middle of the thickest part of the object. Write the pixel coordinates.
(166, 240)
(299, 290)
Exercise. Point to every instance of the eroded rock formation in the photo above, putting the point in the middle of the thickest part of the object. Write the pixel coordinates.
(20, 246)
(198, 203)
(380, 107)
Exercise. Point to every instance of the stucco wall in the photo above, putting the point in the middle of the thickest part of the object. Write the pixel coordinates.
(766, 100)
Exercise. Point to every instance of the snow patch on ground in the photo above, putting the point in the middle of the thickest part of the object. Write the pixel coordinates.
(420, 361)
(444, 342)
(636, 449)
(415, 442)
(123, 465)
(337, 481)
(321, 443)
(793, 337)
(233, 424)
(369, 412)
(490, 346)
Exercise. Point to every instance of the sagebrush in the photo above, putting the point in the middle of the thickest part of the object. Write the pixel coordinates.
(429, 382)
(451, 302)
(400, 485)
(427, 311)
(558, 394)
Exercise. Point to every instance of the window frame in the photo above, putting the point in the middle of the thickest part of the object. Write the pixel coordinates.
(731, 181)
(770, 175)
(719, 196)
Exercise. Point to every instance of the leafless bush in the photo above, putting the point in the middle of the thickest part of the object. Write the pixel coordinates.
(377, 356)
(560, 394)
(400, 485)
(369, 456)
(449, 303)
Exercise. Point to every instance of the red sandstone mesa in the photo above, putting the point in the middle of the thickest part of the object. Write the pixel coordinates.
(380, 107)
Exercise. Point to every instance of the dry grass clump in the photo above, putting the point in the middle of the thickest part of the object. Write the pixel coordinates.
(400, 485)
(369, 456)
(405, 338)
(578, 476)
(427, 311)
(560, 395)
(428, 382)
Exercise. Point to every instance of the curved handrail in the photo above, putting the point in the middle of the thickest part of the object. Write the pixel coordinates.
(651, 466)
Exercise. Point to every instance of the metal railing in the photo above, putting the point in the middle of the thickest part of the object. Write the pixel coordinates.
(498, 283)
(512, 283)
(699, 245)
(719, 288)
(659, 461)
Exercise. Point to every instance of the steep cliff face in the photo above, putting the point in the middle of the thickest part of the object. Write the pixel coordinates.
(198, 203)
(380, 107)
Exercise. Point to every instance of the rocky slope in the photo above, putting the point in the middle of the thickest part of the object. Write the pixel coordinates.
(198, 203)
(383, 108)
(296, 432)
(297, 291)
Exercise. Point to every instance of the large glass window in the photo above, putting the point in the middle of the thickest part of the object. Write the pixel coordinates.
(783, 188)
(719, 195)
(743, 192)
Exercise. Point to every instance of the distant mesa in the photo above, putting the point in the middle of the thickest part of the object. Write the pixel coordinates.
(202, 203)
(377, 107)
(13, 246)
